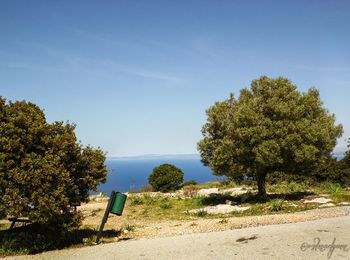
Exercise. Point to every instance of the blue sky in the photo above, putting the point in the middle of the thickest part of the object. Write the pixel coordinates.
(137, 76)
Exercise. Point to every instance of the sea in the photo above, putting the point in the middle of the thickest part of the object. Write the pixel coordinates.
(130, 174)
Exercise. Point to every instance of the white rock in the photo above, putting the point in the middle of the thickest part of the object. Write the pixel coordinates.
(318, 200)
(344, 203)
(234, 191)
(327, 205)
(220, 209)
(207, 192)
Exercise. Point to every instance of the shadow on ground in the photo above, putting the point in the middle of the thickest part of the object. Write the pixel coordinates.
(35, 238)
(215, 199)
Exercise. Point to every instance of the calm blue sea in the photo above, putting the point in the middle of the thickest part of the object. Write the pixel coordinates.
(131, 174)
(125, 175)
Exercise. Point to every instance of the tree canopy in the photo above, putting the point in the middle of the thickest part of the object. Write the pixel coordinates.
(271, 127)
(166, 177)
(43, 168)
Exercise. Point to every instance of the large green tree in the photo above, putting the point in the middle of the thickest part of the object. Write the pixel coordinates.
(345, 166)
(43, 168)
(271, 127)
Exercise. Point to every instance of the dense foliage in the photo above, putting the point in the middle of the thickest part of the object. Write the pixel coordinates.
(166, 177)
(271, 127)
(43, 169)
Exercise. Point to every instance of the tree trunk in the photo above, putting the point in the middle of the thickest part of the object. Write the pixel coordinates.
(261, 178)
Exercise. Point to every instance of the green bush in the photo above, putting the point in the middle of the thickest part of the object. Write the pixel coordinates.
(330, 187)
(190, 182)
(276, 204)
(166, 177)
(332, 170)
(165, 204)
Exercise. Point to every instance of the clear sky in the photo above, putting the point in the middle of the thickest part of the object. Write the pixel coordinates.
(137, 76)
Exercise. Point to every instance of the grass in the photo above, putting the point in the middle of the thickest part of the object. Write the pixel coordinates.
(136, 200)
(283, 198)
(223, 184)
(165, 203)
(155, 208)
(201, 213)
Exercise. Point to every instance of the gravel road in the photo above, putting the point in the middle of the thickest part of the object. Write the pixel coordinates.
(304, 240)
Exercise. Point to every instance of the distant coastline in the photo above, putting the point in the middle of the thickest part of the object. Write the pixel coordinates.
(338, 154)
(155, 157)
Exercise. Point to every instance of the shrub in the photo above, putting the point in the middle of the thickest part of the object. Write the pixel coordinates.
(129, 227)
(165, 204)
(166, 177)
(190, 182)
(330, 187)
(150, 200)
(331, 170)
(276, 204)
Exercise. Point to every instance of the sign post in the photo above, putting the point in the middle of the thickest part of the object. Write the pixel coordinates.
(115, 205)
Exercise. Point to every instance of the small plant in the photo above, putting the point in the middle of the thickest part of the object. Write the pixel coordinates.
(281, 187)
(223, 221)
(201, 213)
(276, 204)
(165, 204)
(295, 186)
(136, 200)
(149, 200)
(129, 227)
(330, 187)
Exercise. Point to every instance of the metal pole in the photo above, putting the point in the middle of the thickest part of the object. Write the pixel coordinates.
(105, 216)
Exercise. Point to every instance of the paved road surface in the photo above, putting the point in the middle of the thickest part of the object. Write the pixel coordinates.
(267, 242)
